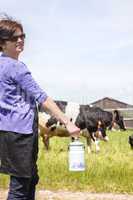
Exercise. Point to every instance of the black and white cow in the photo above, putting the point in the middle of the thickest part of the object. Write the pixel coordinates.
(118, 121)
(91, 120)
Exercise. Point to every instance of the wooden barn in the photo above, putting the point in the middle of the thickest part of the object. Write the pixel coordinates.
(111, 104)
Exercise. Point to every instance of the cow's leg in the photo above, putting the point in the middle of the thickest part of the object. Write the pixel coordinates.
(89, 144)
(95, 137)
(86, 134)
(45, 140)
(97, 145)
(44, 134)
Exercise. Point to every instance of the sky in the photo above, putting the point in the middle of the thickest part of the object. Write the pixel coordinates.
(78, 50)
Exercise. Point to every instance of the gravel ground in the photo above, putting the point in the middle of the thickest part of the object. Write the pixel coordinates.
(67, 195)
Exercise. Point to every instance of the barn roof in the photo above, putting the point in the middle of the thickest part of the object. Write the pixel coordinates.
(108, 102)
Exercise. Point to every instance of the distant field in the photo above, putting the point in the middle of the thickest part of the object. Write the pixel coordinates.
(111, 170)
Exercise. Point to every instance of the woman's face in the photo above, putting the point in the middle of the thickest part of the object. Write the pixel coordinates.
(15, 45)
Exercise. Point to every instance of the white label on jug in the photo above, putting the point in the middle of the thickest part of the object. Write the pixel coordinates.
(76, 161)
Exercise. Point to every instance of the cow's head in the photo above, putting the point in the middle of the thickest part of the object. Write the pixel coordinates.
(51, 121)
(101, 131)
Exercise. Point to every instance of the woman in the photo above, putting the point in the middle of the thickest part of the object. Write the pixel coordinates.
(19, 94)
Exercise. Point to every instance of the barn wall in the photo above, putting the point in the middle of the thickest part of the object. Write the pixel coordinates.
(128, 123)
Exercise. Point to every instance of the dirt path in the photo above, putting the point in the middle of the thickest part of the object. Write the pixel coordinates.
(67, 195)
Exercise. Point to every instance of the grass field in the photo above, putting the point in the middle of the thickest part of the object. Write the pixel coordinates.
(111, 170)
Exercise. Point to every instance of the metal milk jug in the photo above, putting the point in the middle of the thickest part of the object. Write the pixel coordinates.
(76, 156)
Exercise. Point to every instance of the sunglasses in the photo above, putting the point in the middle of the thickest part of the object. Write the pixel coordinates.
(15, 38)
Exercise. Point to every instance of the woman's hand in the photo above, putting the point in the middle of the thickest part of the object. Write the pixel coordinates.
(73, 129)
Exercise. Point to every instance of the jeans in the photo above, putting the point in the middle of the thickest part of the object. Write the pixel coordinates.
(22, 188)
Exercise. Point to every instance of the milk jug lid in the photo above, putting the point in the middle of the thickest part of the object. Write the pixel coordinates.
(76, 142)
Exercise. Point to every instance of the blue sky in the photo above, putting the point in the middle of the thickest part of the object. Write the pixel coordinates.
(78, 50)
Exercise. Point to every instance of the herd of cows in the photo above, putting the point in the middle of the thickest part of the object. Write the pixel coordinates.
(92, 121)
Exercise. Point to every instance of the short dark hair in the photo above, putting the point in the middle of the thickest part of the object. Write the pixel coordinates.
(8, 26)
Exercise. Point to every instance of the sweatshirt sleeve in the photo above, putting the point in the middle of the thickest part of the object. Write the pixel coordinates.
(24, 78)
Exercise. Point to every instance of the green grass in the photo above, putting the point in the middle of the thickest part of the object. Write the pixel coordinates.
(111, 170)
